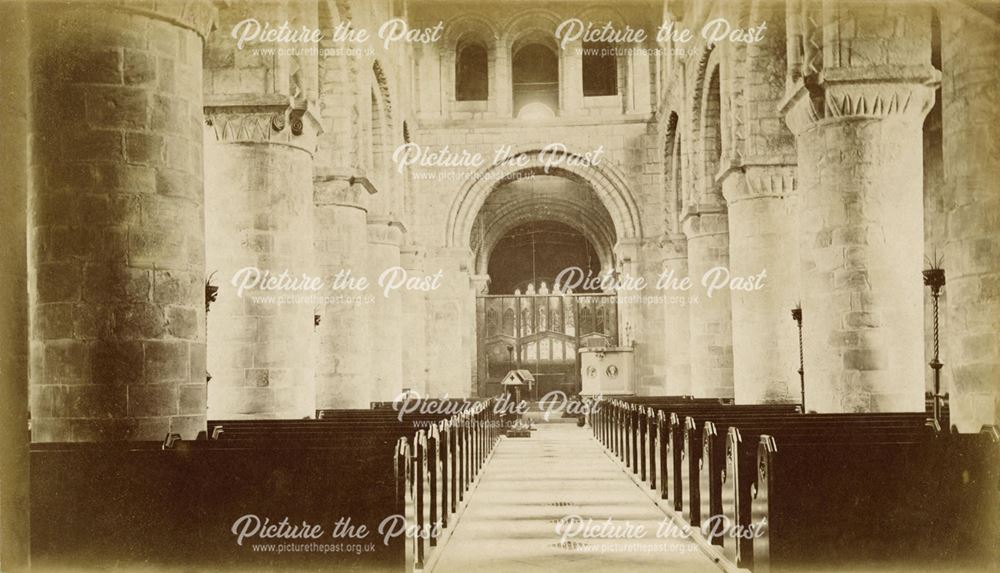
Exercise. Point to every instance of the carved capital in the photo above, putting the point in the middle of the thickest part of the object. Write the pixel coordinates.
(706, 223)
(268, 119)
(879, 100)
(674, 247)
(336, 190)
(480, 283)
(760, 181)
(877, 92)
(385, 232)
(802, 108)
(412, 258)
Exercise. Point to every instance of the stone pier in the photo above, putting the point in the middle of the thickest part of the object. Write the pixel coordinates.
(343, 356)
(762, 244)
(676, 318)
(970, 52)
(414, 331)
(117, 232)
(711, 316)
(859, 141)
(15, 437)
(384, 239)
(258, 180)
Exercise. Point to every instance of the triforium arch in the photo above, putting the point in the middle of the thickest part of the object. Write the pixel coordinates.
(607, 182)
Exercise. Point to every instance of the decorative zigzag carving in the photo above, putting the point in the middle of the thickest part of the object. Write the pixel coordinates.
(866, 102)
(261, 125)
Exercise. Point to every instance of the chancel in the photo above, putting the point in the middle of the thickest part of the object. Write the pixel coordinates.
(282, 278)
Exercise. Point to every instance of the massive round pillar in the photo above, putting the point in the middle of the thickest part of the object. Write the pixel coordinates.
(343, 357)
(857, 108)
(384, 238)
(710, 309)
(258, 179)
(676, 317)
(861, 232)
(970, 51)
(763, 250)
(117, 231)
(414, 309)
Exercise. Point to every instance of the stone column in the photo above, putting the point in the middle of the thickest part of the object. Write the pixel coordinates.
(647, 322)
(676, 317)
(571, 78)
(414, 341)
(15, 438)
(970, 51)
(343, 361)
(480, 284)
(117, 221)
(629, 311)
(448, 321)
(763, 252)
(384, 239)
(258, 180)
(861, 238)
(503, 81)
(707, 234)
(637, 81)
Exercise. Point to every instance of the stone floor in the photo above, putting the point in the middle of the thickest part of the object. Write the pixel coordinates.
(531, 484)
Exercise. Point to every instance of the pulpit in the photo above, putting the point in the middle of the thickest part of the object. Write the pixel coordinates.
(607, 370)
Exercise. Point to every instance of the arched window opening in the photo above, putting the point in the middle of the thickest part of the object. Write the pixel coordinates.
(600, 69)
(472, 82)
(535, 77)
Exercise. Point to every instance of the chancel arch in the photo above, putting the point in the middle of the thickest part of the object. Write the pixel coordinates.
(529, 233)
(607, 183)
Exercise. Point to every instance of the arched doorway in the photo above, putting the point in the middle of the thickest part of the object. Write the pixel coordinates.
(531, 236)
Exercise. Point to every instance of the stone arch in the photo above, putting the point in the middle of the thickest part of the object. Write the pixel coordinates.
(468, 28)
(606, 181)
(708, 119)
(673, 196)
(535, 27)
(381, 138)
(567, 213)
(381, 83)
(540, 20)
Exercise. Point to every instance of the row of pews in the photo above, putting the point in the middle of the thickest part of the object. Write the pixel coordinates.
(777, 490)
(249, 494)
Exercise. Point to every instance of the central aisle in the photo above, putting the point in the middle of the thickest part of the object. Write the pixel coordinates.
(531, 484)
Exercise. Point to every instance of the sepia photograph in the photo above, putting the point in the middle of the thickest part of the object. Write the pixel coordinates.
(500, 286)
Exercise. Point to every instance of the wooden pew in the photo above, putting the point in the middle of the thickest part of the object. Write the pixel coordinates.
(705, 445)
(316, 470)
(140, 505)
(648, 437)
(670, 437)
(886, 501)
(740, 477)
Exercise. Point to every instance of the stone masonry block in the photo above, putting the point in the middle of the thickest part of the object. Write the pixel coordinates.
(153, 400)
(166, 360)
(116, 362)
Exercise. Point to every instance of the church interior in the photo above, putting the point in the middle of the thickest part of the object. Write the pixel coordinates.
(467, 285)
